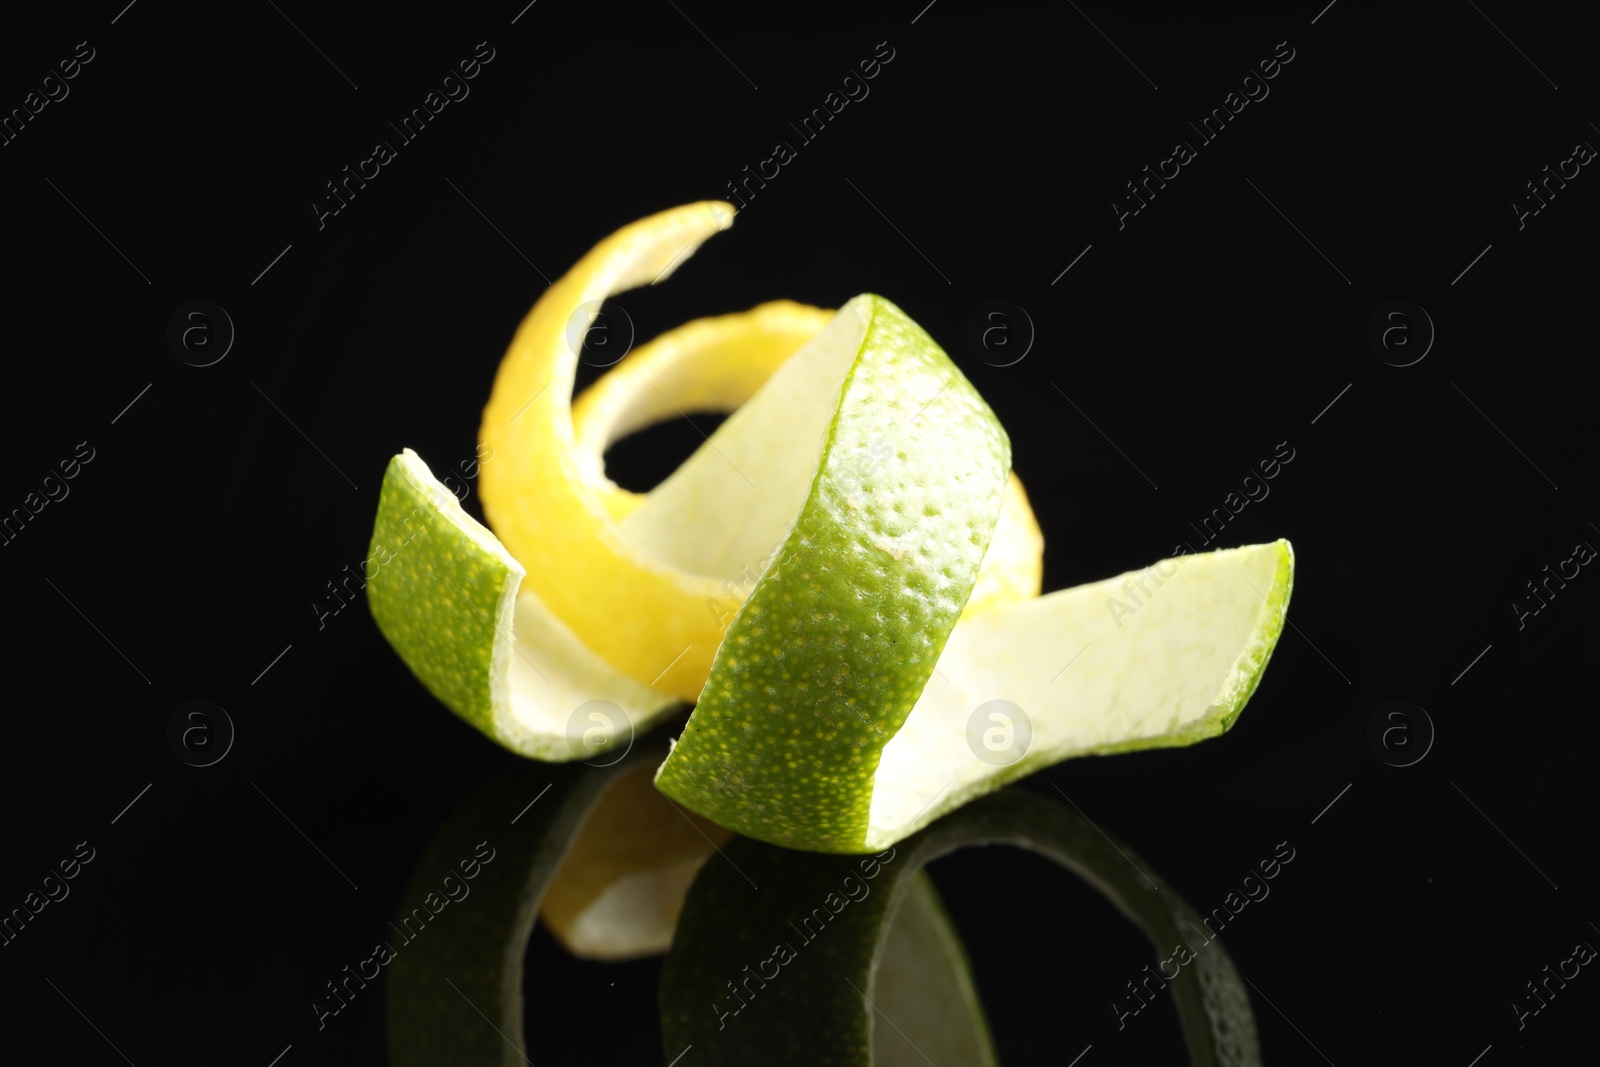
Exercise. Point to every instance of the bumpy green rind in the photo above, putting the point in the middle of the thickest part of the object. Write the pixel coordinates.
(785, 740)
(809, 1013)
(439, 598)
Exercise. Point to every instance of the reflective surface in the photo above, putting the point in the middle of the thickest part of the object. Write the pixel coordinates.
(1215, 366)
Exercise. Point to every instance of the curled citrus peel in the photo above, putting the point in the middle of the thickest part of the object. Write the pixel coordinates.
(549, 507)
(800, 576)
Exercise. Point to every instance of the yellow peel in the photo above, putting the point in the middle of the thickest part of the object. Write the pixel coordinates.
(546, 494)
(716, 364)
(710, 365)
(551, 518)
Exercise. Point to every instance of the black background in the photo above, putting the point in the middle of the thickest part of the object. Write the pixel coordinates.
(1196, 338)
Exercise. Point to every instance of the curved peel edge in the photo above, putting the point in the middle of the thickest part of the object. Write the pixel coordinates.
(826, 657)
(504, 855)
(621, 886)
(922, 979)
(445, 596)
(644, 617)
(1176, 669)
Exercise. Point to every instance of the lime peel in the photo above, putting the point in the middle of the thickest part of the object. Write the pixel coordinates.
(829, 653)
(448, 602)
(1180, 670)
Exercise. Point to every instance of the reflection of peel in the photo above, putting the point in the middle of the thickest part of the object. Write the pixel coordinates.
(566, 853)
(924, 983)
(815, 1011)
(619, 891)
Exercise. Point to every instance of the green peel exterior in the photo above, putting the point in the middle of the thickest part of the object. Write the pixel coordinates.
(443, 591)
(816, 673)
